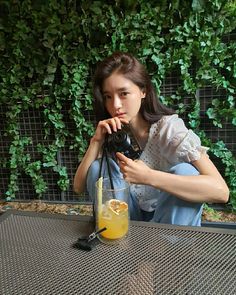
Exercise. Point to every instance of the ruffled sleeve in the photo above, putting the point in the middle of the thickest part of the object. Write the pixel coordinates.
(177, 143)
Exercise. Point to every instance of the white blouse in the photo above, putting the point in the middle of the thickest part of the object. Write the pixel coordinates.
(169, 143)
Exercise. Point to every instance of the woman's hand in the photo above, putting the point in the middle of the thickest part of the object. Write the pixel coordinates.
(108, 126)
(133, 171)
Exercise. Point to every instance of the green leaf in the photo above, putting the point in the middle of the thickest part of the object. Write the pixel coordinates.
(198, 5)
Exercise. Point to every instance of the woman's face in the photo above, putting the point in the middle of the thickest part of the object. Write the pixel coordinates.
(122, 97)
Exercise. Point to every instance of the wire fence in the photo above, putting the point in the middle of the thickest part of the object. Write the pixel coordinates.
(32, 125)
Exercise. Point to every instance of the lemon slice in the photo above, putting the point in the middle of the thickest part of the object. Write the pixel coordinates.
(117, 206)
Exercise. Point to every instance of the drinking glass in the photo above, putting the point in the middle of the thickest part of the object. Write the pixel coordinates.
(112, 209)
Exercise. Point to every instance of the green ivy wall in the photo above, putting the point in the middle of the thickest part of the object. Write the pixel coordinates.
(48, 51)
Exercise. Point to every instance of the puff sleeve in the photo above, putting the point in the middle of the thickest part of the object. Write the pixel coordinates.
(177, 143)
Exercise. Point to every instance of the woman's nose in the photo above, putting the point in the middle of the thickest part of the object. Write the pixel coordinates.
(117, 102)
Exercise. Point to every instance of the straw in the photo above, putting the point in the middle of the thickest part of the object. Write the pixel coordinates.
(100, 179)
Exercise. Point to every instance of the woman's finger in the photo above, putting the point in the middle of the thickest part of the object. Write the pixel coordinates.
(118, 122)
(112, 124)
(122, 157)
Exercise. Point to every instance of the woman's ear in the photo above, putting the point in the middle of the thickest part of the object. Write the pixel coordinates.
(143, 93)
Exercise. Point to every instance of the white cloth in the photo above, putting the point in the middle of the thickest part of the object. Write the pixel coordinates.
(169, 143)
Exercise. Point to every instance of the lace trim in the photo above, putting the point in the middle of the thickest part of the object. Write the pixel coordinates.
(190, 148)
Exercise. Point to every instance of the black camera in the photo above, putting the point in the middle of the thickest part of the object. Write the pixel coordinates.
(124, 141)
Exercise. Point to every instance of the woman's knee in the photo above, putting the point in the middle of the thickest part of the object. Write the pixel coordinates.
(184, 169)
(92, 177)
(93, 172)
(95, 169)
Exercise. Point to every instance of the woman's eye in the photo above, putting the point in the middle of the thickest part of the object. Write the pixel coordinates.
(105, 97)
(124, 93)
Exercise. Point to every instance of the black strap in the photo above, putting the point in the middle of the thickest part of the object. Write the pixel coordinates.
(104, 154)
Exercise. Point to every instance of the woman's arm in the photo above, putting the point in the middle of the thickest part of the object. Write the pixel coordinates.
(209, 186)
(81, 173)
(95, 146)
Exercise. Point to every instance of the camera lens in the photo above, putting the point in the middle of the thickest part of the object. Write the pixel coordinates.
(119, 141)
(119, 137)
(122, 141)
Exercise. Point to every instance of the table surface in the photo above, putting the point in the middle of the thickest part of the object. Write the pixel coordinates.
(37, 257)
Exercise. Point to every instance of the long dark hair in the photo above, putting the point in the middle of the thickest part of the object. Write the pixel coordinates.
(124, 63)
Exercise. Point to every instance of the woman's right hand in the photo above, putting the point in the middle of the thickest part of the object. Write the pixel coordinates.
(105, 126)
(108, 126)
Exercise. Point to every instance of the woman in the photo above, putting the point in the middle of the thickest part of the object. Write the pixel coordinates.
(173, 176)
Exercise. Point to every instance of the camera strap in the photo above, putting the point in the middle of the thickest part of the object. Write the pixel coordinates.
(105, 155)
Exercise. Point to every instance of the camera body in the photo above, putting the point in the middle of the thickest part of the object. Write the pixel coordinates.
(123, 141)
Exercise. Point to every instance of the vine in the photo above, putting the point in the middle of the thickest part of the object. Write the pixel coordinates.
(49, 51)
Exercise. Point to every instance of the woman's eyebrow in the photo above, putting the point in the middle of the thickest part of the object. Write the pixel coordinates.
(105, 92)
(123, 89)
(118, 89)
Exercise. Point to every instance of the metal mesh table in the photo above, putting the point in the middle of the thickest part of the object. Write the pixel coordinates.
(37, 257)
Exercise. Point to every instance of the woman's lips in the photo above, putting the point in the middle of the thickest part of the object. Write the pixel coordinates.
(120, 115)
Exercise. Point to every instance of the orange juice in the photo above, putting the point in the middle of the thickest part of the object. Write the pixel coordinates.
(114, 216)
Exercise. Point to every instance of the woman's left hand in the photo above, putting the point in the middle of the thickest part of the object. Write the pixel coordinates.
(134, 171)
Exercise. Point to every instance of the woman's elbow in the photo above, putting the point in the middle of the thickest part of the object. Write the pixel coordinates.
(78, 189)
(223, 195)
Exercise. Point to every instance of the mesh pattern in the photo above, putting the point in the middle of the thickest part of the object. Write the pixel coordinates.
(32, 125)
(37, 258)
